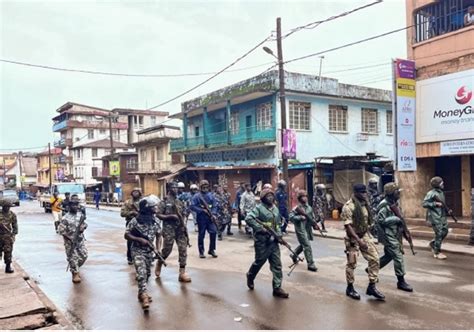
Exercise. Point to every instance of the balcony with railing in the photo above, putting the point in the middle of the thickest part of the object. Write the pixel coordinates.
(63, 124)
(152, 167)
(63, 142)
(244, 136)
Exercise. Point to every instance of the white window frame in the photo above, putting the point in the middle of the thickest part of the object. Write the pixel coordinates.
(300, 115)
(95, 152)
(90, 133)
(338, 118)
(369, 119)
(389, 122)
(234, 123)
(264, 116)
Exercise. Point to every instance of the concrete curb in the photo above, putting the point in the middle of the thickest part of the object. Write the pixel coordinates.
(62, 322)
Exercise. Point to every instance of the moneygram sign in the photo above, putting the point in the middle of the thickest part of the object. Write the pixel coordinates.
(445, 107)
(404, 106)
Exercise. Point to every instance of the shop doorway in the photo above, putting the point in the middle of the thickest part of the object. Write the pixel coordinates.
(449, 168)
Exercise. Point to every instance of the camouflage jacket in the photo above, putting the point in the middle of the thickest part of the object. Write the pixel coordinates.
(319, 207)
(223, 207)
(8, 223)
(130, 209)
(347, 216)
(374, 200)
(169, 205)
(147, 230)
(247, 202)
(69, 223)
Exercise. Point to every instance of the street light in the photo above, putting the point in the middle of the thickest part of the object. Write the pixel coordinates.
(269, 51)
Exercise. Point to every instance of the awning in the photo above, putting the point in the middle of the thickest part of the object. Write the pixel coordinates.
(175, 170)
(216, 168)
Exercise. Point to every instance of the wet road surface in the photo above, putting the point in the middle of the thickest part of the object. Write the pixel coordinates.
(107, 296)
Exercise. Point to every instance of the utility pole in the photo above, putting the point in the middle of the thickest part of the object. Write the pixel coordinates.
(20, 157)
(281, 74)
(49, 165)
(320, 70)
(111, 139)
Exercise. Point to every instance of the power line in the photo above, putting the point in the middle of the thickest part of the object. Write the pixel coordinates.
(92, 72)
(349, 44)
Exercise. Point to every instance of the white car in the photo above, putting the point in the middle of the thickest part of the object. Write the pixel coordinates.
(11, 196)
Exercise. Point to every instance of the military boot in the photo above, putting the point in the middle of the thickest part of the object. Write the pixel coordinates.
(401, 284)
(76, 278)
(250, 283)
(144, 300)
(279, 292)
(8, 268)
(158, 269)
(183, 276)
(372, 290)
(351, 292)
(312, 267)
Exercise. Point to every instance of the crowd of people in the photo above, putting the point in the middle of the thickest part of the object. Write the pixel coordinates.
(152, 226)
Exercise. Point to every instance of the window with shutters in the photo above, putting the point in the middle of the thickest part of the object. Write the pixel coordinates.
(234, 123)
(389, 117)
(338, 118)
(300, 115)
(264, 116)
(369, 120)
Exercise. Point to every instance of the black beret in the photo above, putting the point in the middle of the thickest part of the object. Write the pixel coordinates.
(359, 188)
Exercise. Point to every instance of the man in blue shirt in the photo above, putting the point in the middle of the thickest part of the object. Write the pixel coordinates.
(204, 205)
(282, 202)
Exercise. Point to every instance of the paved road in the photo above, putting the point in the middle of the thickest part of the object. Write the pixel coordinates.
(107, 297)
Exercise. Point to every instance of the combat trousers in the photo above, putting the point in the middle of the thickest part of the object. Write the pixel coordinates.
(203, 226)
(76, 257)
(304, 242)
(129, 247)
(441, 231)
(392, 251)
(265, 249)
(173, 232)
(6, 247)
(142, 261)
(371, 255)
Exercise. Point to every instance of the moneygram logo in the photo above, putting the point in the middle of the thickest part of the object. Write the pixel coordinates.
(463, 96)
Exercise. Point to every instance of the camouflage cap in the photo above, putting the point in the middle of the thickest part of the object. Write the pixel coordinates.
(136, 189)
(266, 192)
(4, 202)
(74, 200)
(390, 188)
(359, 188)
(436, 181)
(203, 183)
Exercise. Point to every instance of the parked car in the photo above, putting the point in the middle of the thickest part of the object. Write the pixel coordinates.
(11, 196)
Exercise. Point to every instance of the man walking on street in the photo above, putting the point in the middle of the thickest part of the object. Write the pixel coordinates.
(304, 229)
(266, 247)
(143, 230)
(238, 198)
(390, 234)
(357, 219)
(130, 210)
(56, 209)
(8, 232)
(435, 203)
(171, 212)
(72, 229)
(282, 201)
(374, 199)
(204, 205)
(247, 204)
(193, 190)
(229, 209)
(320, 205)
(97, 197)
(223, 215)
(65, 203)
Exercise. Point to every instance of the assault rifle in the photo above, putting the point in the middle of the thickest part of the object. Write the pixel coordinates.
(183, 224)
(405, 232)
(299, 210)
(135, 232)
(75, 239)
(208, 212)
(448, 211)
(279, 239)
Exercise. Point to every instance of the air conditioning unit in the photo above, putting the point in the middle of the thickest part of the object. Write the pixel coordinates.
(362, 137)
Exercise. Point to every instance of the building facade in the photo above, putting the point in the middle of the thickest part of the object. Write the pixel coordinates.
(442, 46)
(233, 135)
(58, 163)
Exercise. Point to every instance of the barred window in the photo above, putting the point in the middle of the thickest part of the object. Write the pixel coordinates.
(338, 118)
(234, 123)
(369, 120)
(389, 117)
(264, 116)
(131, 163)
(300, 114)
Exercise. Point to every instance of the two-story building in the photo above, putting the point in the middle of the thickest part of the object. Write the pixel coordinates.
(58, 162)
(155, 163)
(442, 45)
(233, 135)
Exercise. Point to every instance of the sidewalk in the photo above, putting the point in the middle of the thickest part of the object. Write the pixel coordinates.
(25, 306)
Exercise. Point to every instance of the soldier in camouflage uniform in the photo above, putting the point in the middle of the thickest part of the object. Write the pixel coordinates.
(223, 212)
(227, 196)
(436, 215)
(171, 212)
(303, 229)
(129, 211)
(357, 220)
(320, 204)
(8, 231)
(266, 248)
(389, 229)
(374, 199)
(72, 227)
(142, 231)
(247, 204)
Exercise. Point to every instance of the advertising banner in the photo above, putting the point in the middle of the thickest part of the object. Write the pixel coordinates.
(114, 168)
(445, 108)
(405, 100)
(289, 144)
(457, 147)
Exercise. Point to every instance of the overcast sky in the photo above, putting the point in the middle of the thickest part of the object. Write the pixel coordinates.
(170, 37)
